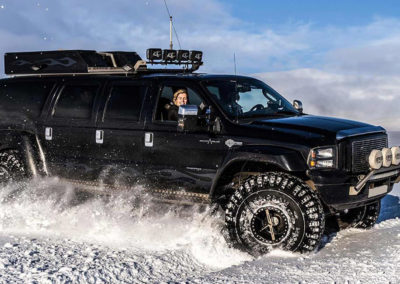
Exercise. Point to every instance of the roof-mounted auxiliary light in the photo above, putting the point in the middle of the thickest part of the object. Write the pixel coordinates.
(183, 55)
(154, 54)
(196, 56)
(169, 54)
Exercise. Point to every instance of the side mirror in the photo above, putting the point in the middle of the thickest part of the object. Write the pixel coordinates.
(298, 105)
(187, 117)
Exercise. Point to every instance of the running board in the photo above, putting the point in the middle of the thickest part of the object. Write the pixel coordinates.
(164, 195)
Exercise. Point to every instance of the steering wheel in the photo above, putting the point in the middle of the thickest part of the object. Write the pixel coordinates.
(257, 107)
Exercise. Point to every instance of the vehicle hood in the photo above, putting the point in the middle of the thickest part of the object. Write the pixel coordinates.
(317, 128)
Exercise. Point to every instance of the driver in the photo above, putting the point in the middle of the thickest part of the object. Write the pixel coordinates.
(180, 98)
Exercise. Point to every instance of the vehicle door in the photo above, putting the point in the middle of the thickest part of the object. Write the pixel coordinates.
(69, 129)
(177, 160)
(120, 134)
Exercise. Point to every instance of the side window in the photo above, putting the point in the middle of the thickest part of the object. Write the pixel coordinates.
(124, 103)
(76, 101)
(165, 100)
(25, 97)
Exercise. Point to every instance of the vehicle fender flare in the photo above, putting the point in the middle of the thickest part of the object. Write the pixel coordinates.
(287, 160)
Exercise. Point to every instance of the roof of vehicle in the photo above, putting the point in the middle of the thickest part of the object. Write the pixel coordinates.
(189, 76)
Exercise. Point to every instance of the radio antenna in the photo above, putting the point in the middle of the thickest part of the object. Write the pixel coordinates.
(234, 62)
(171, 24)
(170, 33)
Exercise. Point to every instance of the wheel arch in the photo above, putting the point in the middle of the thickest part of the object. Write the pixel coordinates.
(282, 160)
(29, 146)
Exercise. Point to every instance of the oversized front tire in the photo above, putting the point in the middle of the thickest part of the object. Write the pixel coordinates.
(274, 210)
(362, 218)
(11, 166)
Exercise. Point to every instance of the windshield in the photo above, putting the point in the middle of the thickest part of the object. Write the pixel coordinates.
(248, 98)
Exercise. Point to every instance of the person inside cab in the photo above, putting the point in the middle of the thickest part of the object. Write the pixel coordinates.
(180, 98)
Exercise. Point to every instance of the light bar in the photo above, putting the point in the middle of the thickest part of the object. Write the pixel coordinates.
(154, 54)
(177, 57)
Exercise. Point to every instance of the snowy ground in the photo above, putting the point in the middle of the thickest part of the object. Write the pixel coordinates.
(47, 236)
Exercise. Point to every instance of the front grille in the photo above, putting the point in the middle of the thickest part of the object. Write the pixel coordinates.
(361, 150)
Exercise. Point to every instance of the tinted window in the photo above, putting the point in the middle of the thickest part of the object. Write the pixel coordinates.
(76, 101)
(125, 103)
(26, 98)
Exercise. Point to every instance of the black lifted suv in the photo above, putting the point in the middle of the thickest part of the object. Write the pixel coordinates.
(100, 120)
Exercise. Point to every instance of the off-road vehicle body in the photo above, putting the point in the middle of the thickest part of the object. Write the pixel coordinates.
(276, 172)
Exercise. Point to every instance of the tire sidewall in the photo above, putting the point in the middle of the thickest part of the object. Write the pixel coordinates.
(293, 213)
(307, 218)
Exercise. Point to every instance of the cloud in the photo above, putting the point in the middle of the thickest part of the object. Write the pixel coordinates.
(207, 25)
(352, 72)
(371, 99)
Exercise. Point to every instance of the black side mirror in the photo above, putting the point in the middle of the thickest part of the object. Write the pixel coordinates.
(298, 105)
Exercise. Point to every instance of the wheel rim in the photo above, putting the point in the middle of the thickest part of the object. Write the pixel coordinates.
(270, 225)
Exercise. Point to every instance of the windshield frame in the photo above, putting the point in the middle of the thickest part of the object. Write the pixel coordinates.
(254, 82)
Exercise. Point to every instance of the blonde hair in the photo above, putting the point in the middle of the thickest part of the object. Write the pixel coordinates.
(177, 93)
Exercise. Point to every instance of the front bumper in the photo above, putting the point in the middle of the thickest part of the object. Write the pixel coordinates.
(351, 193)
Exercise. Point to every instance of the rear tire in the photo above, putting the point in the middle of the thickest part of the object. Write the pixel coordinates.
(274, 210)
(11, 166)
(362, 218)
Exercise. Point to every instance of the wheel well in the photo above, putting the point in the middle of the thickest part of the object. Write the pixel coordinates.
(242, 169)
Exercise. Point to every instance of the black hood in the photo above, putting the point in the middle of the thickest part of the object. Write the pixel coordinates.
(319, 129)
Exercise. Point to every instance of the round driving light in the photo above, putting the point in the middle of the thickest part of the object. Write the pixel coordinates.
(375, 159)
(387, 157)
(395, 155)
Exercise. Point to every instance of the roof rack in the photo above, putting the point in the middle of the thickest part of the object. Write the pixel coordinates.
(80, 62)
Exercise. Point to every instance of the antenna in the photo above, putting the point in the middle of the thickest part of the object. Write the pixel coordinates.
(171, 26)
(234, 63)
(170, 33)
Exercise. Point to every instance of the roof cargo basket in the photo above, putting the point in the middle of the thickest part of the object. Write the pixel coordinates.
(80, 62)
(71, 62)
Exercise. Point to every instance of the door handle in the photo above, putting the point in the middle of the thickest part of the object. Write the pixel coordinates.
(99, 136)
(148, 139)
(48, 133)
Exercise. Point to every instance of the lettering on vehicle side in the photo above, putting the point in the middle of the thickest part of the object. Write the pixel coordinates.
(209, 141)
(230, 143)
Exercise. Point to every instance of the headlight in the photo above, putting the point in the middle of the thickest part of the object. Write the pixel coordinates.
(322, 157)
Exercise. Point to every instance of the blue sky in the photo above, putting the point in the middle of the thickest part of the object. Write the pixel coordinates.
(323, 12)
(264, 35)
(340, 57)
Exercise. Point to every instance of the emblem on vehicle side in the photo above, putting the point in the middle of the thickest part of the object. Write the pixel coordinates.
(230, 143)
(209, 141)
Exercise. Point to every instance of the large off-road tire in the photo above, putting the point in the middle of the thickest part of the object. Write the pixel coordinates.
(11, 166)
(274, 210)
(363, 217)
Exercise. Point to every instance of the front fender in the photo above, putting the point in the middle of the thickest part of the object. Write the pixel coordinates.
(286, 159)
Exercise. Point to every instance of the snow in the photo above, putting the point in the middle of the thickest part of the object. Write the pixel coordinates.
(51, 233)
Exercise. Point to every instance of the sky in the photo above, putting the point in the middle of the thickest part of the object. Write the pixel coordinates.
(339, 57)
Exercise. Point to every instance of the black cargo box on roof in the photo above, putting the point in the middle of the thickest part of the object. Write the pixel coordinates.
(65, 61)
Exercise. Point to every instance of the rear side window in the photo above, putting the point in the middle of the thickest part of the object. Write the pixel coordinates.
(76, 101)
(25, 98)
(124, 103)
